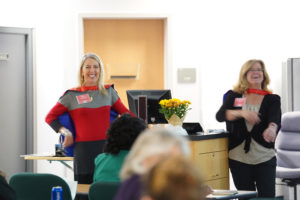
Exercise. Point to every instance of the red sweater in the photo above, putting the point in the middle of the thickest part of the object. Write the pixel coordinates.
(89, 110)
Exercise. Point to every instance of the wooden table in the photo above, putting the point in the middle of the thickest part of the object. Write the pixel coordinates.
(83, 188)
(232, 195)
(50, 158)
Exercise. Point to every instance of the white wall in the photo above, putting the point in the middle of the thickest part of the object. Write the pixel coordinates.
(214, 36)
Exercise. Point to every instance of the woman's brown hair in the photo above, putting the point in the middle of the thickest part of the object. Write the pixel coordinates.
(175, 178)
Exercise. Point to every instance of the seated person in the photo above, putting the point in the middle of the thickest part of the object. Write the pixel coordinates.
(120, 137)
(174, 178)
(6, 192)
(151, 146)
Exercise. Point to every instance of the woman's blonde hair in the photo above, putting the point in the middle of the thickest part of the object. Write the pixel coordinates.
(175, 178)
(242, 86)
(101, 77)
(155, 141)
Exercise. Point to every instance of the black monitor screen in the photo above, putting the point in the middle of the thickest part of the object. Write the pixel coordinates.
(153, 98)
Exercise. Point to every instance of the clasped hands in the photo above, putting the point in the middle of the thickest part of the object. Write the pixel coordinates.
(269, 133)
(252, 117)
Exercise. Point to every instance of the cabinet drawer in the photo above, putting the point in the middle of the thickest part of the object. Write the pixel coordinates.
(212, 165)
(203, 146)
(219, 184)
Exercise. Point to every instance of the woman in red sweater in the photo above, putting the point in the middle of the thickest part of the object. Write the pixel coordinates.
(89, 106)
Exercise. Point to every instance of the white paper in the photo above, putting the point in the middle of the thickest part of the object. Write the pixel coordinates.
(176, 129)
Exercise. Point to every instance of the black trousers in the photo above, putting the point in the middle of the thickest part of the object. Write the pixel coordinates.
(84, 160)
(260, 177)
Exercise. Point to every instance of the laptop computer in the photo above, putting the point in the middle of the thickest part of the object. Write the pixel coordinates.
(192, 128)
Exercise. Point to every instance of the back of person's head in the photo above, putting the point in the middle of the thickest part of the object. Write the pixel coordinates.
(150, 147)
(122, 133)
(174, 178)
(6, 191)
(2, 174)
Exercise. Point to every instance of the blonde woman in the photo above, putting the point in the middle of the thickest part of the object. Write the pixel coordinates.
(253, 116)
(150, 147)
(89, 106)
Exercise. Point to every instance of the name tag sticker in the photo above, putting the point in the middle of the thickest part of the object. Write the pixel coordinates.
(239, 102)
(85, 98)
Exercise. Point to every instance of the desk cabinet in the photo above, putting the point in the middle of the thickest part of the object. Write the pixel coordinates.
(211, 158)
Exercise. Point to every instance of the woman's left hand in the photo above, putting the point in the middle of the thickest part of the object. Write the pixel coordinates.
(269, 134)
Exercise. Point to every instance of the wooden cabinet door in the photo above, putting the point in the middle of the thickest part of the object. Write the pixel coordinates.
(210, 145)
(213, 165)
(219, 184)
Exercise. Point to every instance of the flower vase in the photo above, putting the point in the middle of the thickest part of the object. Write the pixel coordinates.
(175, 120)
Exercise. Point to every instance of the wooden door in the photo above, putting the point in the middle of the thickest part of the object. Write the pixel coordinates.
(132, 51)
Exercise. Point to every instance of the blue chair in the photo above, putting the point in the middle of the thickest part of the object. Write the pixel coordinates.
(37, 186)
(103, 190)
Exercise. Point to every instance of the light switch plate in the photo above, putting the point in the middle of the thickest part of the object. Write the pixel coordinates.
(186, 75)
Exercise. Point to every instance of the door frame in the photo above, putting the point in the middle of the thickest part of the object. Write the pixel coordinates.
(168, 72)
(29, 76)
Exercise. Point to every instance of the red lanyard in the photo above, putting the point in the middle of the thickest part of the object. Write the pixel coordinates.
(257, 91)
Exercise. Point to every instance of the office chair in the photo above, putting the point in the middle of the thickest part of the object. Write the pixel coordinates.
(288, 151)
(103, 190)
(37, 186)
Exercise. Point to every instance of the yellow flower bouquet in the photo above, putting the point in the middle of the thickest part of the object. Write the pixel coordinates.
(173, 106)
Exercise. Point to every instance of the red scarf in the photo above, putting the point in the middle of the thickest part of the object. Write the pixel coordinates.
(257, 91)
(86, 88)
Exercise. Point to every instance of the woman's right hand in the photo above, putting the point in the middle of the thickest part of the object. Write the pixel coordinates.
(251, 116)
(68, 140)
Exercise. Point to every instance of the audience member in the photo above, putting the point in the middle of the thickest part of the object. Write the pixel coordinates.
(174, 178)
(150, 147)
(120, 137)
(6, 192)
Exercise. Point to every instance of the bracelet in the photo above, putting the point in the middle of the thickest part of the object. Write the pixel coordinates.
(64, 132)
(273, 125)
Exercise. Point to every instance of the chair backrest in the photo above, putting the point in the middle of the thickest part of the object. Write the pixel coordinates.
(37, 186)
(103, 190)
(287, 145)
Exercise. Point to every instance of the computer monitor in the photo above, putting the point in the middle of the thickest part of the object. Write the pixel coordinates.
(153, 98)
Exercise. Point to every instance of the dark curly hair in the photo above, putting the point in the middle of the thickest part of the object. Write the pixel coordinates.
(122, 133)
